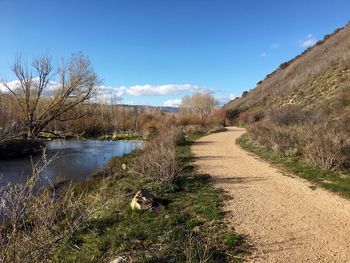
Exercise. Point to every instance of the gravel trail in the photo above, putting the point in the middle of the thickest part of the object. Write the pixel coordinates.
(283, 219)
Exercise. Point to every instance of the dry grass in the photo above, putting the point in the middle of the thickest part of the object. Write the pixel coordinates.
(292, 132)
(196, 250)
(159, 160)
(329, 149)
(36, 219)
(185, 226)
(309, 79)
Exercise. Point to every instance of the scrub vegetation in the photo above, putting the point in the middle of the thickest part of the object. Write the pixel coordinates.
(92, 220)
(185, 225)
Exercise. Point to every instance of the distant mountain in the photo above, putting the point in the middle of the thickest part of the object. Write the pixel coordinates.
(319, 78)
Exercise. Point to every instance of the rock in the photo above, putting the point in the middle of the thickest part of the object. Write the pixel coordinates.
(119, 260)
(142, 201)
(114, 135)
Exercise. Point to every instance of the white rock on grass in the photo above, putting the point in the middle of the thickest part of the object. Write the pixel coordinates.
(142, 201)
(119, 260)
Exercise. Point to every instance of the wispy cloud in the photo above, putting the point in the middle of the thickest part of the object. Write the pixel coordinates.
(275, 46)
(15, 84)
(113, 95)
(12, 84)
(172, 103)
(161, 90)
(105, 94)
(223, 99)
(308, 41)
(109, 95)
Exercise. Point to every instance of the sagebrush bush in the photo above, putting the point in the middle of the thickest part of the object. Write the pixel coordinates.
(290, 115)
(283, 140)
(328, 149)
(159, 161)
(190, 120)
(294, 132)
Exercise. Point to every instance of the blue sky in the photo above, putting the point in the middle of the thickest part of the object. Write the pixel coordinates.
(156, 51)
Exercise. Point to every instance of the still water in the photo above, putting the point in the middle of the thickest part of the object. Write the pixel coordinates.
(75, 160)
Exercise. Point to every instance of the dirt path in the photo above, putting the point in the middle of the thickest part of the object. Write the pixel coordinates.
(281, 216)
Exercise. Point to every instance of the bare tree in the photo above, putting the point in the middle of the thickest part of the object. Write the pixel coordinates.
(45, 94)
(185, 107)
(200, 104)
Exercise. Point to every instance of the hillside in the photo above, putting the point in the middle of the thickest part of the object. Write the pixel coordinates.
(319, 78)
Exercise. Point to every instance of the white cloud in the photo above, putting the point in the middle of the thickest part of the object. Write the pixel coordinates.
(263, 54)
(137, 90)
(275, 46)
(103, 94)
(109, 95)
(232, 96)
(160, 90)
(15, 84)
(113, 95)
(221, 100)
(12, 85)
(172, 103)
(308, 41)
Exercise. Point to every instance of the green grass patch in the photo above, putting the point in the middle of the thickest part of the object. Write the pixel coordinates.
(188, 222)
(338, 182)
(232, 240)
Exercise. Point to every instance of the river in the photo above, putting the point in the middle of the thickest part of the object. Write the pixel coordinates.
(76, 159)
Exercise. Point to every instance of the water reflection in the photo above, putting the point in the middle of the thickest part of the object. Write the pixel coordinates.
(76, 159)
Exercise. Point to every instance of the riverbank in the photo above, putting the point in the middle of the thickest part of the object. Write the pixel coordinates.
(21, 147)
(15, 148)
(187, 225)
(74, 161)
(111, 136)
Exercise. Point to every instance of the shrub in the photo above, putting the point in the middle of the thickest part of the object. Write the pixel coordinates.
(258, 116)
(289, 115)
(217, 118)
(158, 162)
(287, 141)
(190, 120)
(245, 117)
(292, 132)
(35, 224)
(284, 65)
(329, 150)
(232, 114)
